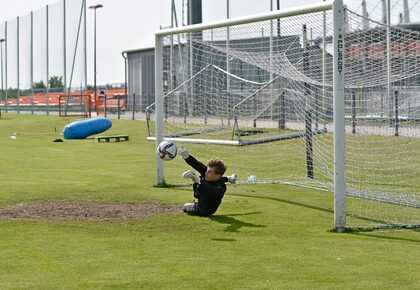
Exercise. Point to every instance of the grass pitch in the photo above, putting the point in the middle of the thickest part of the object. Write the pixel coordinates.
(262, 237)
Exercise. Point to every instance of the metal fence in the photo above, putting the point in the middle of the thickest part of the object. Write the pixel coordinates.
(43, 53)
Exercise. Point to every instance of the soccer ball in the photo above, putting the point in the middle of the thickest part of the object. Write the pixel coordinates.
(166, 150)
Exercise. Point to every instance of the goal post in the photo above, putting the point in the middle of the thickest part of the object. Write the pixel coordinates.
(74, 104)
(339, 119)
(338, 86)
(160, 178)
(330, 103)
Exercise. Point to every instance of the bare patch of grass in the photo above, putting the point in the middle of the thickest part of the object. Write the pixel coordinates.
(86, 210)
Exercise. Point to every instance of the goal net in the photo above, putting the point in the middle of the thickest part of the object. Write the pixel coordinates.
(74, 105)
(263, 93)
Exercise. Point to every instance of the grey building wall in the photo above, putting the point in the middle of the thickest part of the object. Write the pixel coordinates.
(140, 78)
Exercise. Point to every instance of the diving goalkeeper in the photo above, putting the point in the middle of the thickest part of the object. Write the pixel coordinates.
(209, 188)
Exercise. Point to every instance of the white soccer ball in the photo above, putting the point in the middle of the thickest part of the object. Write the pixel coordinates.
(166, 150)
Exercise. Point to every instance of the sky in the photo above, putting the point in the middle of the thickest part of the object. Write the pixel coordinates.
(131, 24)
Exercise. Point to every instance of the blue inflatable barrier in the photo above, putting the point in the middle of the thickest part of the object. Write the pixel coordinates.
(85, 128)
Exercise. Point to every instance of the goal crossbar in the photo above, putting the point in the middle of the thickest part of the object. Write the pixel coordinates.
(299, 10)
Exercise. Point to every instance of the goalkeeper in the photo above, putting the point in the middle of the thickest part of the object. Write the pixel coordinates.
(209, 188)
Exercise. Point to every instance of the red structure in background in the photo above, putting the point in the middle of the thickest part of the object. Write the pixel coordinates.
(74, 105)
(66, 103)
(110, 101)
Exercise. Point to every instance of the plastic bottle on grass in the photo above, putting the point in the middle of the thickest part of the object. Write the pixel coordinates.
(251, 178)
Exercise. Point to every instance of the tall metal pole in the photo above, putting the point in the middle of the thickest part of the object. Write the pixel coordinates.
(228, 58)
(94, 7)
(17, 63)
(324, 63)
(171, 54)
(191, 46)
(47, 51)
(32, 62)
(85, 49)
(308, 109)
(94, 61)
(384, 13)
(64, 47)
(388, 58)
(1, 60)
(406, 12)
(1, 63)
(125, 83)
(365, 15)
(5, 63)
(271, 60)
(278, 20)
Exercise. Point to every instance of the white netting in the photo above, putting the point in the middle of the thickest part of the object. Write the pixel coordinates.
(382, 122)
(271, 96)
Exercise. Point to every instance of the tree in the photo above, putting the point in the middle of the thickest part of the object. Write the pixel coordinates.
(11, 93)
(39, 85)
(56, 82)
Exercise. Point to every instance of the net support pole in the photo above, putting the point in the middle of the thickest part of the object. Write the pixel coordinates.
(308, 112)
(227, 60)
(388, 59)
(282, 118)
(396, 114)
(353, 112)
(324, 63)
(159, 106)
(271, 59)
(339, 129)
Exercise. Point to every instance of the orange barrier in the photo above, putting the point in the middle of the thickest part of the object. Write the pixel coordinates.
(40, 99)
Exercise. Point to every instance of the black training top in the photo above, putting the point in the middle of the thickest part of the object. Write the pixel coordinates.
(208, 193)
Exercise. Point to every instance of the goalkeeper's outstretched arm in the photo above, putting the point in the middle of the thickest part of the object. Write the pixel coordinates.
(194, 163)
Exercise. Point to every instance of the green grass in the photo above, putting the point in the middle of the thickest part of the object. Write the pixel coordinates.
(262, 237)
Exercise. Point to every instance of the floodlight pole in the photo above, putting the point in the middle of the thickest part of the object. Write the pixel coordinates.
(5, 64)
(32, 62)
(17, 66)
(1, 63)
(47, 59)
(94, 7)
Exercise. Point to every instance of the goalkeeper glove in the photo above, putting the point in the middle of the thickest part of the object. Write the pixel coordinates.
(232, 178)
(191, 174)
(183, 152)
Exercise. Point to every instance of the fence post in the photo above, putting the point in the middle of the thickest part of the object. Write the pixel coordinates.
(105, 104)
(119, 106)
(134, 106)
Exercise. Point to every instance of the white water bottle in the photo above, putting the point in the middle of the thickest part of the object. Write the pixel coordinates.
(251, 178)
